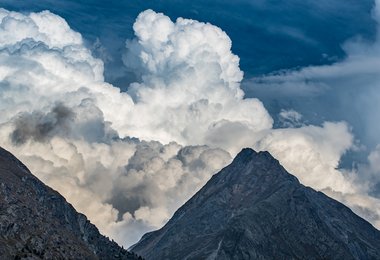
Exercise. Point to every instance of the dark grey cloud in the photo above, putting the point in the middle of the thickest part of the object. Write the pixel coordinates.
(41, 126)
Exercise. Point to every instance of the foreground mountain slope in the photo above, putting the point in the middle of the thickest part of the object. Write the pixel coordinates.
(254, 209)
(37, 222)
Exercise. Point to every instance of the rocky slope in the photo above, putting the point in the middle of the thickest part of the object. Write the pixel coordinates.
(254, 209)
(36, 222)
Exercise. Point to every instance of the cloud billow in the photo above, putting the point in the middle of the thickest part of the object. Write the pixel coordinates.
(128, 160)
(39, 126)
(190, 81)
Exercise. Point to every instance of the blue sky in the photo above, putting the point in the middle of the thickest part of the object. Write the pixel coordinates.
(266, 35)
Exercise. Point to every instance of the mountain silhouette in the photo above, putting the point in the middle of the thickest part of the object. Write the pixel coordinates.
(255, 209)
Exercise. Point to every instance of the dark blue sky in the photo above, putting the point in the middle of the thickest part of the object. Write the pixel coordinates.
(267, 35)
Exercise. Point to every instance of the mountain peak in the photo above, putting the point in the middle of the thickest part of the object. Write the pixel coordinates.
(245, 152)
(255, 209)
(250, 160)
(248, 154)
(251, 168)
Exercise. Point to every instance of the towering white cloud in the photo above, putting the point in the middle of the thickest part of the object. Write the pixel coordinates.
(189, 80)
(79, 134)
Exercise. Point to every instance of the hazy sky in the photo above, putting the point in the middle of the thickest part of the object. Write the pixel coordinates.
(297, 78)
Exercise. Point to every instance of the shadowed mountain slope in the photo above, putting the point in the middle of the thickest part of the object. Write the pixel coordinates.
(36, 222)
(254, 209)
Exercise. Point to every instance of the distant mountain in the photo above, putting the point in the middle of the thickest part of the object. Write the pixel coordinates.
(36, 222)
(254, 209)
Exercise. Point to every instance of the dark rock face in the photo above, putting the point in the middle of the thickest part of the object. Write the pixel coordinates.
(254, 209)
(36, 222)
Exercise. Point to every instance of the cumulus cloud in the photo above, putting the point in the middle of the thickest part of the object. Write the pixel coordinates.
(190, 80)
(66, 124)
(129, 160)
(126, 187)
(313, 153)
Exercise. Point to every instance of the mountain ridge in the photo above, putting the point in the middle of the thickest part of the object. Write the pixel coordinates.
(36, 222)
(255, 209)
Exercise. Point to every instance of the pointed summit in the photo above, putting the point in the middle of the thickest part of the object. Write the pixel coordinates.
(250, 169)
(248, 154)
(254, 209)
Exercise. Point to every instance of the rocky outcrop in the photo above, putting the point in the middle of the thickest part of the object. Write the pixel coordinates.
(36, 222)
(254, 209)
